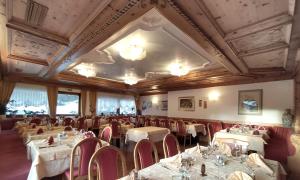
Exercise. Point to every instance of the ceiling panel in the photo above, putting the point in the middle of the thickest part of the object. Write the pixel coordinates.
(28, 46)
(279, 34)
(24, 67)
(233, 14)
(163, 42)
(63, 17)
(267, 60)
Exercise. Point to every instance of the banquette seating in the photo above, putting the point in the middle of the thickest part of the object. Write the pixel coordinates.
(278, 148)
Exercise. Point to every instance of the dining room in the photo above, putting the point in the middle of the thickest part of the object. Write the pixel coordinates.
(149, 89)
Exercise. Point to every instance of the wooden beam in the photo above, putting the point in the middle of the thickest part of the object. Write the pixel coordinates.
(277, 20)
(36, 32)
(210, 34)
(268, 48)
(294, 40)
(29, 60)
(92, 81)
(207, 22)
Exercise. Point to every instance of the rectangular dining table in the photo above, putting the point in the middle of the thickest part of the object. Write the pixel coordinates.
(155, 134)
(169, 168)
(256, 142)
(49, 161)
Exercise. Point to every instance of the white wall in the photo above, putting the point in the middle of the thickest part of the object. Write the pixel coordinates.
(277, 96)
(155, 109)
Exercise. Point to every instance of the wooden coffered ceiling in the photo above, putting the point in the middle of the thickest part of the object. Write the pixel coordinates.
(248, 40)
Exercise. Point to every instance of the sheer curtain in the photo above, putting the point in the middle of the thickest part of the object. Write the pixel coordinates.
(109, 103)
(127, 105)
(29, 99)
(6, 89)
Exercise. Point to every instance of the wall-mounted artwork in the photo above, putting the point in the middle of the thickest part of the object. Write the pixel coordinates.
(200, 103)
(164, 105)
(186, 103)
(250, 102)
(146, 105)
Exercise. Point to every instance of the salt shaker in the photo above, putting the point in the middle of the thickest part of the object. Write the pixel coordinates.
(203, 170)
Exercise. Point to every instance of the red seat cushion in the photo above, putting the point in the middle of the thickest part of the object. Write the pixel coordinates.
(67, 173)
(276, 150)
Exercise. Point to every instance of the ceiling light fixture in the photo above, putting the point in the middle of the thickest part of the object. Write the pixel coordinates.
(132, 49)
(87, 70)
(178, 69)
(130, 78)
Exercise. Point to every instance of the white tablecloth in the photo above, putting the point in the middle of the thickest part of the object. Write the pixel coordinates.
(256, 142)
(154, 134)
(51, 161)
(195, 128)
(170, 167)
(192, 129)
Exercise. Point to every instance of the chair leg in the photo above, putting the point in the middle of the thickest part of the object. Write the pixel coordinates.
(184, 140)
(190, 139)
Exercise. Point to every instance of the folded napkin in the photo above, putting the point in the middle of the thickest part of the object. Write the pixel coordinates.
(257, 159)
(196, 149)
(239, 175)
(225, 149)
(89, 134)
(174, 159)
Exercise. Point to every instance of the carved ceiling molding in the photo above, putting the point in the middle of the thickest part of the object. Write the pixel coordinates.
(88, 35)
(118, 14)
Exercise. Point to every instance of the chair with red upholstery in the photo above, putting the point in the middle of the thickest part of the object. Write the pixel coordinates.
(116, 134)
(280, 146)
(53, 121)
(67, 121)
(81, 123)
(181, 131)
(106, 161)
(36, 121)
(147, 122)
(170, 145)
(87, 148)
(143, 154)
(106, 134)
(212, 128)
(165, 123)
(155, 122)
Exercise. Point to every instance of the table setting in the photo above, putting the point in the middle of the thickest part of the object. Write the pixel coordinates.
(51, 155)
(255, 137)
(212, 163)
(155, 134)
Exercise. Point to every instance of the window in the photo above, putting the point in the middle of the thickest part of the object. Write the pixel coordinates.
(127, 106)
(28, 99)
(109, 103)
(68, 103)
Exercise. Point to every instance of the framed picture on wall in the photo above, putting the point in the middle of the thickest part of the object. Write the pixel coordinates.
(250, 102)
(164, 106)
(186, 103)
(146, 105)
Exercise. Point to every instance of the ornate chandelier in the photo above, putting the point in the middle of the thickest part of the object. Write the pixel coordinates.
(178, 69)
(87, 70)
(130, 78)
(132, 49)
(133, 52)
